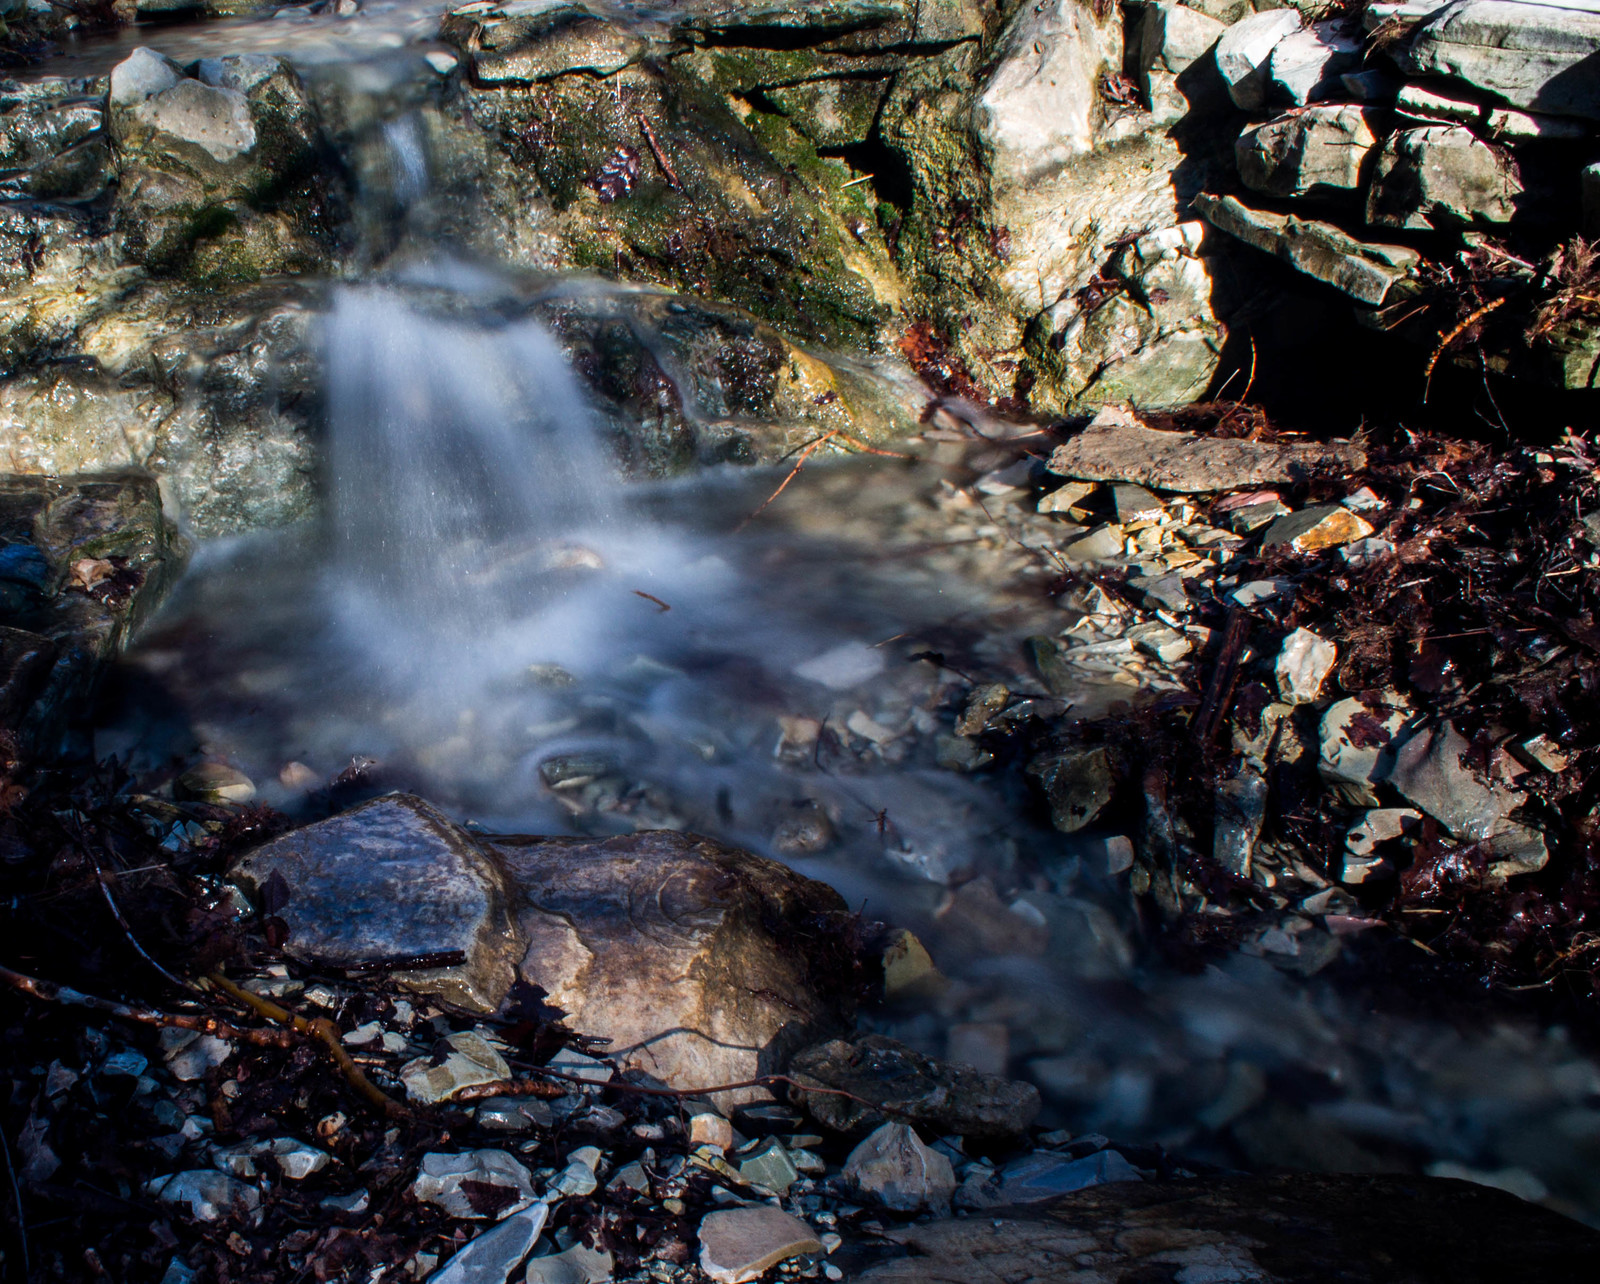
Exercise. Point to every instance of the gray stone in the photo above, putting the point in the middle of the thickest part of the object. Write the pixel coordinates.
(393, 879)
(563, 39)
(1305, 64)
(1042, 1176)
(1303, 666)
(209, 1194)
(1104, 544)
(943, 1097)
(1245, 50)
(1116, 446)
(1318, 152)
(1353, 739)
(1440, 176)
(513, 1114)
(1364, 271)
(472, 1061)
(769, 1166)
(1507, 126)
(297, 1160)
(1429, 104)
(1241, 806)
(441, 1178)
(1078, 783)
(741, 1244)
(216, 782)
(893, 1168)
(492, 1256)
(1135, 504)
(579, 1264)
(1534, 56)
(1172, 39)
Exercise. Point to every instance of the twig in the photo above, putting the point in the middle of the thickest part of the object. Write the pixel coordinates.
(127, 931)
(22, 1219)
(661, 156)
(320, 1029)
(793, 472)
(1477, 314)
(854, 182)
(1224, 677)
(651, 597)
(51, 992)
(1251, 381)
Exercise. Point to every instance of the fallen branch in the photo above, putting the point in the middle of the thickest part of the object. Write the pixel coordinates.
(661, 156)
(1476, 315)
(51, 992)
(324, 1032)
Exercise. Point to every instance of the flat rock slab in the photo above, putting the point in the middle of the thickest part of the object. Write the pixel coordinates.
(739, 1244)
(1117, 447)
(1300, 1229)
(392, 879)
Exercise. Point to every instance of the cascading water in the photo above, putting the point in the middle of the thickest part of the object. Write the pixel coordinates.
(511, 630)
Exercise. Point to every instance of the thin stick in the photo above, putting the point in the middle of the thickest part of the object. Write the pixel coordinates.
(854, 182)
(651, 597)
(51, 992)
(661, 156)
(1477, 314)
(798, 465)
(324, 1032)
(127, 931)
(1251, 381)
(16, 1190)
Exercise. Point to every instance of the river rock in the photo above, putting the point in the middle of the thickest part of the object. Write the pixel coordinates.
(83, 562)
(1306, 64)
(210, 1195)
(471, 1061)
(1116, 446)
(1265, 1230)
(701, 963)
(1078, 783)
(1363, 270)
(393, 879)
(943, 1097)
(1441, 176)
(1318, 152)
(740, 1244)
(527, 48)
(1537, 56)
(1245, 50)
(492, 1256)
(893, 1168)
(453, 1182)
(579, 1264)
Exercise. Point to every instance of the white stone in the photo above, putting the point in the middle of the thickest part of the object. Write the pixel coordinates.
(1348, 759)
(1305, 61)
(472, 1061)
(141, 75)
(217, 121)
(1378, 825)
(1245, 49)
(209, 1194)
(1429, 104)
(1303, 666)
(296, 1159)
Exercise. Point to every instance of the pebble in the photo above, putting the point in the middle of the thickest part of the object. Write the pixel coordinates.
(579, 1066)
(353, 1204)
(442, 1176)
(574, 1265)
(191, 1056)
(1303, 666)
(217, 783)
(472, 1061)
(1101, 545)
(894, 1168)
(707, 1128)
(210, 1194)
(908, 968)
(1313, 529)
(740, 1244)
(513, 1114)
(771, 1167)
(844, 666)
(492, 1256)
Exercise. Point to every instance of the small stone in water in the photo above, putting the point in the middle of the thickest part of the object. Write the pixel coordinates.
(740, 1244)
(296, 775)
(805, 828)
(216, 782)
(847, 665)
(908, 968)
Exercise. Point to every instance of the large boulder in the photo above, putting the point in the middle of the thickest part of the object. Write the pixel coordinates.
(1539, 56)
(701, 964)
(1441, 176)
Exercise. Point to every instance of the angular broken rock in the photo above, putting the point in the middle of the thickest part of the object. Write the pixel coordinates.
(1116, 446)
(471, 1061)
(1245, 50)
(1316, 152)
(1363, 270)
(1441, 176)
(1313, 529)
(1078, 784)
(893, 1168)
(1303, 666)
(457, 1182)
(492, 1256)
(740, 1244)
(944, 1097)
(702, 964)
(1041, 1176)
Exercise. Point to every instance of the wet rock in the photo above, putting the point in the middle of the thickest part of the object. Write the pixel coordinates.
(393, 879)
(576, 1265)
(1441, 176)
(1303, 666)
(1353, 740)
(1244, 52)
(1241, 804)
(806, 828)
(1042, 1176)
(472, 1060)
(492, 1256)
(296, 1159)
(1363, 270)
(908, 968)
(740, 1244)
(513, 1114)
(216, 782)
(893, 1168)
(524, 49)
(454, 1182)
(1316, 528)
(1534, 56)
(1268, 1229)
(1077, 783)
(1315, 153)
(1116, 446)
(60, 629)
(209, 1194)
(1306, 64)
(945, 1098)
(701, 963)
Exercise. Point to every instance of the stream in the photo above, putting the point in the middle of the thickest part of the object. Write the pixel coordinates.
(491, 617)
